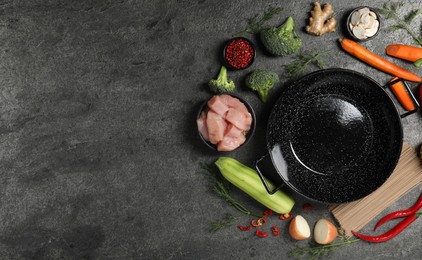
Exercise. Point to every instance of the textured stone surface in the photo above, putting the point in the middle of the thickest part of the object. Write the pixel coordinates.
(99, 155)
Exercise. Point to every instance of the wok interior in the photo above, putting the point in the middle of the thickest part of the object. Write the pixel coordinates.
(334, 136)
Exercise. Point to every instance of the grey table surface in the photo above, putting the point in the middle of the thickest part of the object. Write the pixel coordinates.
(99, 154)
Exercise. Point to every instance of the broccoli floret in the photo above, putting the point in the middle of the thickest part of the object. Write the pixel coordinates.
(262, 81)
(221, 84)
(282, 40)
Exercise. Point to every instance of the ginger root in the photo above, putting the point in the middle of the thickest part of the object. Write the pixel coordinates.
(319, 23)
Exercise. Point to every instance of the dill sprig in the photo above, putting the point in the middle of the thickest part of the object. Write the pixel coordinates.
(256, 24)
(300, 63)
(314, 251)
(223, 223)
(221, 189)
(390, 12)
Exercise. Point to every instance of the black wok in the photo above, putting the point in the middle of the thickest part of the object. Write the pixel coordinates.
(334, 136)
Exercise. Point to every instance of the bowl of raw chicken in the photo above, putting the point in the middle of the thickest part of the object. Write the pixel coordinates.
(225, 122)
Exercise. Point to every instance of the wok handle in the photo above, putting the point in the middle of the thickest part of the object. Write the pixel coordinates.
(261, 176)
(409, 92)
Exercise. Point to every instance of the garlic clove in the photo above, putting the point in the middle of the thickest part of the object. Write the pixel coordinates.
(372, 31)
(359, 32)
(370, 23)
(373, 14)
(364, 10)
(355, 18)
(365, 19)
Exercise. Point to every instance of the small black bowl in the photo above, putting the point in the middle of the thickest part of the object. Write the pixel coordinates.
(228, 64)
(248, 135)
(349, 17)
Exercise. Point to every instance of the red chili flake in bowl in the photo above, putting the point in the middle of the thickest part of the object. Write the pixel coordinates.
(239, 53)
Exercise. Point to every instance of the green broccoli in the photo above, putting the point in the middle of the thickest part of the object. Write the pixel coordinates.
(282, 40)
(262, 81)
(221, 84)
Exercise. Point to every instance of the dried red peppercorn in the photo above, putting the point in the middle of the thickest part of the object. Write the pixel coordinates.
(243, 228)
(239, 53)
(268, 212)
(275, 230)
(260, 233)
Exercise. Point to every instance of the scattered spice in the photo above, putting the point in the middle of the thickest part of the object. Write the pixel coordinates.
(239, 53)
(243, 228)
(260, 233)
(285, 216)
(275, 230)
(392, 232)
(308, 207)
(259, 222)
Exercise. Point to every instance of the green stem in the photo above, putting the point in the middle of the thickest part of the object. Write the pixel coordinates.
(418, 63)
(340, 244)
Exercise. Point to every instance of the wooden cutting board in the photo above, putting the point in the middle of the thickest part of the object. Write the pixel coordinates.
(406, 176)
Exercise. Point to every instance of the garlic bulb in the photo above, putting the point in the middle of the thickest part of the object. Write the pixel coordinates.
(363, 23)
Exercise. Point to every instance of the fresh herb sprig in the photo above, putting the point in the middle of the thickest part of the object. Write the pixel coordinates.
(315, 251)
(221, 189)
(390, 12)
(256, 24)
(300, 63)
(224, 223)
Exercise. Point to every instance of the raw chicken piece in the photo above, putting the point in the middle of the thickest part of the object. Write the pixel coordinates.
(248, 118)
(216, 127)
(233, 131)
(230, 143)
(233, 102)
(202, 125)
(241, 120)
(217, 105)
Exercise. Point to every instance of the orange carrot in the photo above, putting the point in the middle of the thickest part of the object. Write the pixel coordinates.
(376, 61)
(405, 52)
(402, 95)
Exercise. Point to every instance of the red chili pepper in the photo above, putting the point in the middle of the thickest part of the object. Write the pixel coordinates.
(285, 216)
(259, 222)
(243, 228)
(260, 233)
(400, 213)
(307, 206)
(268, 212)
(275, 230)
(391, 233)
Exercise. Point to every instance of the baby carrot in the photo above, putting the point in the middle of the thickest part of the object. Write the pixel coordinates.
(376, 61)
(402, 95)
(405, 52)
